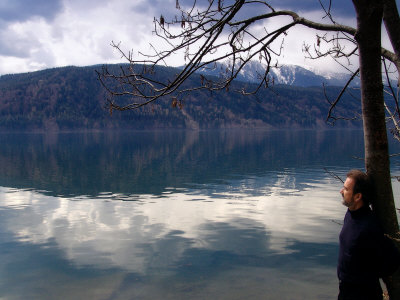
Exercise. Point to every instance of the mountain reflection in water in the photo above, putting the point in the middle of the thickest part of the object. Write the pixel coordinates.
(172, 215)
(149, 162)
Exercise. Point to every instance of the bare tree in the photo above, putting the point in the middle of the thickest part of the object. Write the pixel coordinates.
(218, 33)
(221, 31)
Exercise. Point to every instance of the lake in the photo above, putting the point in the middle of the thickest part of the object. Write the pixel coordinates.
(174, 214)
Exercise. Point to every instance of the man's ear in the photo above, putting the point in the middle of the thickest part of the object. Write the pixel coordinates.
(357, 197)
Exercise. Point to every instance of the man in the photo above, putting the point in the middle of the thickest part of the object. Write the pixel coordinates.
(365, 253)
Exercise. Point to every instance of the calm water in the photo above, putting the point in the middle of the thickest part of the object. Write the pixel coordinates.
(173, 215)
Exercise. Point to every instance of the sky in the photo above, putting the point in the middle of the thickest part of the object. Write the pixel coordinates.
(40, 34)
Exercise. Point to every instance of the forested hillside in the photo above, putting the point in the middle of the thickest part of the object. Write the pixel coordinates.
(71, 98)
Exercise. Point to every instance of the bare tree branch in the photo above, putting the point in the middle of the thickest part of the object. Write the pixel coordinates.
(218, 33)
(332, 174)
(334, 103)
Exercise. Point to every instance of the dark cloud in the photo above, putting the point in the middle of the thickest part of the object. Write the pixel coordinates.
(156, 8)
(338, 8)
(20, 10)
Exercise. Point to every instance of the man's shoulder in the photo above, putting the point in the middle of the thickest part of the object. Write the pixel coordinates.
(372, 224)
(364, 222)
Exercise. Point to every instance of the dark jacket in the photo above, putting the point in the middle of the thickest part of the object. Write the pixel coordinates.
(365, 253)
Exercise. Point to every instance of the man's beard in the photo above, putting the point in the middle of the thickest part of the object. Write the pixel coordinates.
(348, 204)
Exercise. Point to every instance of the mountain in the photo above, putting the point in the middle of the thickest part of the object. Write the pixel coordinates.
(293, 75)
(71, 98)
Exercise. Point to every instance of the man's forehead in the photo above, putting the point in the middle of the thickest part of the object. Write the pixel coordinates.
(349, 183)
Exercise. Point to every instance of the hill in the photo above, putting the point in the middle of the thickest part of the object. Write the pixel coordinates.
(71, 98)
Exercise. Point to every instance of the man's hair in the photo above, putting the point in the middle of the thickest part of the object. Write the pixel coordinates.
(362, 185)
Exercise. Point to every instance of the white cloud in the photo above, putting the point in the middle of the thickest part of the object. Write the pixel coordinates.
(298, 36)
(80, 33)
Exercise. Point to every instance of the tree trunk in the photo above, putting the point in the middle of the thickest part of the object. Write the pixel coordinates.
(392, 24)
(368, 37)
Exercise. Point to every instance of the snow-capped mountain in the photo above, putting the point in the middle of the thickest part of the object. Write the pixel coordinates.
(284, 74)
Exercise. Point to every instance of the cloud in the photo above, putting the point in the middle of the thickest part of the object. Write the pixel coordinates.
(80, 34)
(299, 36)
(342, 8)
(21, 10)
(42, 34)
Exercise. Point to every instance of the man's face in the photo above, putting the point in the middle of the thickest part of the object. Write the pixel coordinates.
(347, 193)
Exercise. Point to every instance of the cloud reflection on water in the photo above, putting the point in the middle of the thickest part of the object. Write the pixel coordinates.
(135, 235)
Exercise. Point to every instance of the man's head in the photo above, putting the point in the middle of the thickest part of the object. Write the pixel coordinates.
(356, 190)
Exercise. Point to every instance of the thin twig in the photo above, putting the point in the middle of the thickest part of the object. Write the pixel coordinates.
(333, 175)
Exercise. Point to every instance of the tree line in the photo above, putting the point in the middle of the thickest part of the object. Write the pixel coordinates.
(71, 98)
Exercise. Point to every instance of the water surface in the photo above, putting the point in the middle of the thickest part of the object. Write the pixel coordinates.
(173, 215)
